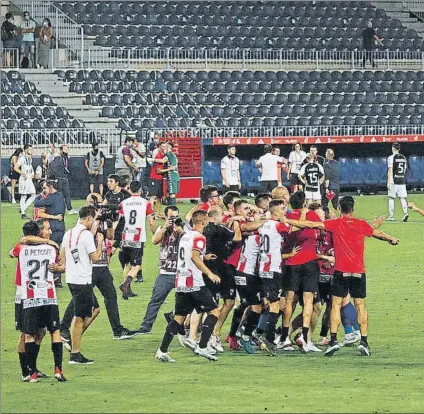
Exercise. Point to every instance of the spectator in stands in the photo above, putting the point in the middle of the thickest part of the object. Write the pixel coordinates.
(8, 37)
(369, 37)
(13, 175)
(43, 48)
(332, 181)
(28, 27)
(60, 171)
(94, 162)
(230, 171)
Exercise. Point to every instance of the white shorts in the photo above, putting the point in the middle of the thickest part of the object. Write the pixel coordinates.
(313, 195)
(26, 186)
(397, 190)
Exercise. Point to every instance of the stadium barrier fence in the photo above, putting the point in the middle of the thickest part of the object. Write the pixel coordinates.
(236, 59)
(9, 58)
(80, 139)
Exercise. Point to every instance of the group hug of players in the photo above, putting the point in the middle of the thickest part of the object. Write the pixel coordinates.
(276, 255)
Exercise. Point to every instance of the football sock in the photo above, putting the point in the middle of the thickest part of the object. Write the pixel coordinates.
(252, 321)
(57, 350)
(170, 332)
(172, 201)
(333, 337)
(31, 352)
(38, 351)
(364, 339)
(181, 330)
(349, 317)
(305, 333)
(270, 326)
(324, 330)
(235, 322)
(356, 327)
(128, 281)
(391, 207)
(284, 333)
(262, 321)
(29, 202)
(23, 362)
(404, 205)
(121, 258)
(22, 203)
(207, 329)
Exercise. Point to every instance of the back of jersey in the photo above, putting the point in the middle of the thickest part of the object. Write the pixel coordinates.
(399, 164)
(135, 209)
(313, 174)
(270, 249)
(189, 277)
(37, 282)
(249, 255)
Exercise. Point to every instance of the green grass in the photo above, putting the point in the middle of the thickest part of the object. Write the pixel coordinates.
(127, 378)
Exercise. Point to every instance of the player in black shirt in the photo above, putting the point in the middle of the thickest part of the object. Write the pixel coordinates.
(218, 241)
(312, 176)
(368, 37)
(396, 181)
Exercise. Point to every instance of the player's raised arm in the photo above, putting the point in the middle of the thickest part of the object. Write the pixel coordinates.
(414, 207)
(377, 234)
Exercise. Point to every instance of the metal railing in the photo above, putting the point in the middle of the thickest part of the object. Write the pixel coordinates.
(80, 139)
(68, 34)
(241, 59)
(413, 5)
(9, 58)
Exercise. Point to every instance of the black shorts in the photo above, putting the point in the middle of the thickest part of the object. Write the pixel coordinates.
(18, 316)
(249, 288)
(13, 175)
(214, 288)
(227, 287)
(38, 317)
(133, 255)
(84, 301)
(272, 288)
(95, 179)
(324, 288)
(230, 188)
(285, 283)
(201, 300)
(295, 180)
(267, 186)
(304, 277)
(156, 188)
(356, 286)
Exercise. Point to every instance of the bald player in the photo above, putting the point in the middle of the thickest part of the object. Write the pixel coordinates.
(280, 193)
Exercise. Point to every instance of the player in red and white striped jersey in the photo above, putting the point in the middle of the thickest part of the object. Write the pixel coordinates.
(191, 292)
(131, 233)
(270, 267)
(37, 293)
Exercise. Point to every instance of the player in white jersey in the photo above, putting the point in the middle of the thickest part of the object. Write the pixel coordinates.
(190, 290)
(25, 170)
(270, 268)
(396, 182)
(249, 287)
(35, 284)
(131, 232)
(268, 165)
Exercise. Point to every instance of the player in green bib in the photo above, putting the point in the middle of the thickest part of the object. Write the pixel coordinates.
(173, 176)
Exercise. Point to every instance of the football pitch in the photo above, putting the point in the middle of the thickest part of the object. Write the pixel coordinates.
(127, 378)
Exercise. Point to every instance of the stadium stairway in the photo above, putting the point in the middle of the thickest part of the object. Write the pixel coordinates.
(396, 10)
(50, 84)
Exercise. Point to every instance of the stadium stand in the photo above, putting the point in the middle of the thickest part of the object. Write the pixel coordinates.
(172, 99)
(24, 107)
(237, 25)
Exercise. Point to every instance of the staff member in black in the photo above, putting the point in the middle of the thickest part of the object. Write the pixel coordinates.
(50, 205)
(60, 171)
(332, 181)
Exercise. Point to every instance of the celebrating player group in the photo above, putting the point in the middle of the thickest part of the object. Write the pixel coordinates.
(259, 259)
